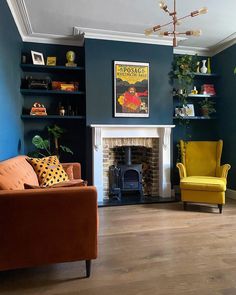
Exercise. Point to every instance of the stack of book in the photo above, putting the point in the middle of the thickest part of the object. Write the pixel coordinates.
(208, 89)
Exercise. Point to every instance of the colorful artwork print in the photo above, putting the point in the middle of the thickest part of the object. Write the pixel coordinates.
(131, 89)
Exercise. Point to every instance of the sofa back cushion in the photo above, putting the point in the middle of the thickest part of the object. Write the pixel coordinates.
(49, 170)
(15, 172)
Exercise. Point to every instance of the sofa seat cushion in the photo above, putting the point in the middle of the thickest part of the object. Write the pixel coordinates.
(15, 172)
(49, 170)
(70, 183)
(203, 183)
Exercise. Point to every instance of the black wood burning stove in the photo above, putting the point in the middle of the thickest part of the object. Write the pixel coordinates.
(125, 178)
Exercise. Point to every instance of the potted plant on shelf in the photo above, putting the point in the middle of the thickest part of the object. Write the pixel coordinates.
(207, 107)
(50, 146)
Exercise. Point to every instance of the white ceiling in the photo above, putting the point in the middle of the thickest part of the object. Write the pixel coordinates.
(123, 20)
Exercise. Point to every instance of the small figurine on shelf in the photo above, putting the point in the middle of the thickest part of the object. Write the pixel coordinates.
(62, 111)
(70, 56)
(194, 90)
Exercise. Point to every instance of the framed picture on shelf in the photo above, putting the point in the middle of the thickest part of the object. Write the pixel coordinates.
(179, 112)
(131, 89)
(37, 58)
(51, 60)
(189, 110)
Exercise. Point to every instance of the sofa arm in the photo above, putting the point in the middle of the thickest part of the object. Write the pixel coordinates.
(182, 170)
(222, 171)
(76, 169)
(44, 226)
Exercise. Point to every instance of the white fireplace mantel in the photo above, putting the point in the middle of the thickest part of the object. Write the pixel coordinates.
(163, 132)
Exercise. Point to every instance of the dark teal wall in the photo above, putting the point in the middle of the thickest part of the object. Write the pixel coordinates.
(225, 63)
(10, 100)
(99, 58)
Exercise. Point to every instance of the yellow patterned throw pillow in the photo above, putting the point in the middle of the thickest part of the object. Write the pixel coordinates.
(49, 170)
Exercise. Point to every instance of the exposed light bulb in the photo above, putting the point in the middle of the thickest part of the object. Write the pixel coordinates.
(161, 33)
(196, 33)
(203, 10)
(148, 32)
(163, 6)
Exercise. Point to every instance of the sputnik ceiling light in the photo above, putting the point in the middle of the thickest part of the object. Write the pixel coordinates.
(175, 22)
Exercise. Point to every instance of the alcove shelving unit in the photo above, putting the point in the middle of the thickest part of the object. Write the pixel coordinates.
(74, 102)
(199, 78)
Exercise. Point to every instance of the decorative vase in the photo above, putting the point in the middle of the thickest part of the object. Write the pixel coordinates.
(208, 66)
(203, 68)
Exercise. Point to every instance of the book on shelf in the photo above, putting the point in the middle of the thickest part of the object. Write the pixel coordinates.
(208, 89)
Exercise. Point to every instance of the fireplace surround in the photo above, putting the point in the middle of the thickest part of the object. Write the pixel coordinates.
(128, 132)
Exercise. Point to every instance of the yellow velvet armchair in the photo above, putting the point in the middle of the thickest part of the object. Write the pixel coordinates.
(202, 178)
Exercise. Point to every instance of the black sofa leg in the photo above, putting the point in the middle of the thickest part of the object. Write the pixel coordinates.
(220, 206)
(185, 205)
(88, 268)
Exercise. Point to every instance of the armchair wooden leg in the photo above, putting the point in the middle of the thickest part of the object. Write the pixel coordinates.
(185, 205)
(88, 268)
(220, 206)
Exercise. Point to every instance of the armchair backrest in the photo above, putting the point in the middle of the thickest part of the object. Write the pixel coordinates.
(201, 158)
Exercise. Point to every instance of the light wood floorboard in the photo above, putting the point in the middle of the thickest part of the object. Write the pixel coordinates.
(146, 249)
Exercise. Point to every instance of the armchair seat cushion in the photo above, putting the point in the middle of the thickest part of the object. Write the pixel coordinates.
(203, 183)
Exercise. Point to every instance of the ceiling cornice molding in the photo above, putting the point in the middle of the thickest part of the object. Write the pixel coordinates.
(223, 46)
(124, 36)
(22, 20)
(202, 51)
(21, 17)
(53, 39)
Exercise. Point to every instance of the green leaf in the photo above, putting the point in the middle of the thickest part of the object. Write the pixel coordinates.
(41, 144)
(46, 143)
(56, 131)
(38, 142)
(66, 149)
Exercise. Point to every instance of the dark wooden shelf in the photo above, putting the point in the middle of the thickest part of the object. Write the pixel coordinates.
(52, 117)
(45, 92)
(42, 68)
(194, 118)
(206, 75)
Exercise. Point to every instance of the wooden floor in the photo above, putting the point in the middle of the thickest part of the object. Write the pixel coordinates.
(146, 249)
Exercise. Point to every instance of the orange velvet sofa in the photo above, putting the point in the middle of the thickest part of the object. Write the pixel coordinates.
(44, 226)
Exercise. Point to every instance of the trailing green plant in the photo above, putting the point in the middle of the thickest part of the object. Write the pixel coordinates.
(182, 74)
(50, 146)
(184, 67)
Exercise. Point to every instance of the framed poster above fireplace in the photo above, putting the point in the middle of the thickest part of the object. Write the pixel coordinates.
(131, 89)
